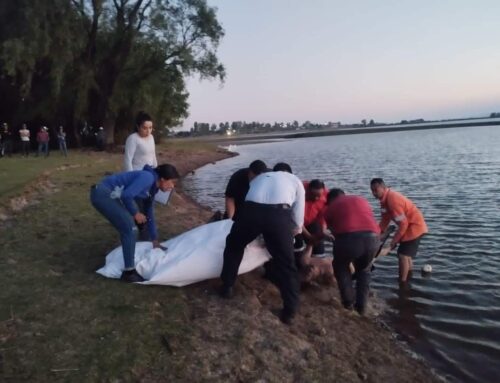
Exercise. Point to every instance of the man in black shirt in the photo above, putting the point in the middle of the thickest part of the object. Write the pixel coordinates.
(238, 185)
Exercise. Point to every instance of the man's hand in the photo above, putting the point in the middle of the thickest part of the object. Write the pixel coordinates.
(140, 218)
(156, 245)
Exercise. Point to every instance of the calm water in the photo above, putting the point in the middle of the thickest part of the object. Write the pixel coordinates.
(453, 175)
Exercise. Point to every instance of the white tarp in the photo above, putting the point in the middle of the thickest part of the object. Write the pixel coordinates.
(193, 256)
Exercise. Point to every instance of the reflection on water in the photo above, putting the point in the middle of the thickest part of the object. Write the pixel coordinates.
(453, 175)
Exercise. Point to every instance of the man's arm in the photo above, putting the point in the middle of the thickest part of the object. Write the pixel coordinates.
(398, 215)
(299, 206)
(230, 207)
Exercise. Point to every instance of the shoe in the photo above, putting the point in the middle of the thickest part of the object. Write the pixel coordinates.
(131, 276)
(286, 317)
(226, 292)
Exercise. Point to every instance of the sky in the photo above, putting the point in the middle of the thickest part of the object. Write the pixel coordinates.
(329, 60)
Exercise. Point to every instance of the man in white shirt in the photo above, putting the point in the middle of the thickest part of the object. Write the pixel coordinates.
(274, 207)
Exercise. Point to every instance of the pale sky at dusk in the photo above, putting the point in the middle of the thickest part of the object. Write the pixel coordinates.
(329, 60)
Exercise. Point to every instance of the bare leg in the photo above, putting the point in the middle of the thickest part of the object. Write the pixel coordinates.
(404, 267)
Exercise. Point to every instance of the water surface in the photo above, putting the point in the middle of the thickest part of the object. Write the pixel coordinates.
(453, 175)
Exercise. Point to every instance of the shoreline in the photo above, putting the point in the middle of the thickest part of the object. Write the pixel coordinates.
(373, 326)
(56, 313)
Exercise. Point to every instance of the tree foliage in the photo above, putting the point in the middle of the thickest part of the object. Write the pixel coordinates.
(99, 61)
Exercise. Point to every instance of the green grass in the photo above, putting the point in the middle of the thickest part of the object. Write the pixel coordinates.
(56, 313)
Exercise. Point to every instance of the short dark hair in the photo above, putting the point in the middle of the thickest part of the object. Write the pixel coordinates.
(258, 167)
(316, 184)
(334, 193)
(282, 167)
(167, 172)
(377, 181)
(141, 118)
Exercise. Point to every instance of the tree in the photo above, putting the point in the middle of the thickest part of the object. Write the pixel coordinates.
(66, 61)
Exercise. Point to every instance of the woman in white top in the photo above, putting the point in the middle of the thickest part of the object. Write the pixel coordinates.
(140, 151)
(140, 146)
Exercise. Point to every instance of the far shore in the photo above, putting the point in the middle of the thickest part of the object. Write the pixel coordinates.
(280, 136)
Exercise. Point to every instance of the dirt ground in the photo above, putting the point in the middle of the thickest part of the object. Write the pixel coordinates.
(59, 321)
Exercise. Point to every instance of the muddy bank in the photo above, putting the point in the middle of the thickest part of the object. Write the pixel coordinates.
(243, 340)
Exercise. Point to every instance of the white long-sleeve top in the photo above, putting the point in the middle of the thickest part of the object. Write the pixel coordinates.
(279, 188)
(139, 151)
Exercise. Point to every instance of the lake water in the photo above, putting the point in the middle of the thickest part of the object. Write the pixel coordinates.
(451, 318)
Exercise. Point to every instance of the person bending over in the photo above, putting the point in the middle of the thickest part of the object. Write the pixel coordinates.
(114, 197)
(311, 240)
(238, 185)
(350, 218)
(274, 207)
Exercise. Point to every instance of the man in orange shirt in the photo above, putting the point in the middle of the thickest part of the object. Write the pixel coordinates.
(410, 221)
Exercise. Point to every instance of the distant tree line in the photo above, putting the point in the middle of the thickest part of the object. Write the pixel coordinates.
(243, 127)
(96, 63)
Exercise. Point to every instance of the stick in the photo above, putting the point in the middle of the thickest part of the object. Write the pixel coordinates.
(385, 237)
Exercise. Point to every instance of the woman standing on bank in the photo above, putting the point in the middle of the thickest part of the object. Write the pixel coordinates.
(115, 198)
(140, 146)
(140, 151)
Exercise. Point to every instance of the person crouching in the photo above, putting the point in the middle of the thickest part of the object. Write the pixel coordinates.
(350, 219)
(114, 198)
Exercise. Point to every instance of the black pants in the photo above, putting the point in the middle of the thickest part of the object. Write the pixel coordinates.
(358, 248)
(276, 225)
(25, 148)
(7, 148)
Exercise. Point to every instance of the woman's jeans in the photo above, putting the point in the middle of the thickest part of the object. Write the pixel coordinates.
(63, 148)
(114, 211)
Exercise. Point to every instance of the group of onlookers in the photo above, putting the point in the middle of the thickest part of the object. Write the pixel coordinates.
(8, 140)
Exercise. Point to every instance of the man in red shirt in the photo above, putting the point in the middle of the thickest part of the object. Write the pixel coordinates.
(350, 219)
(314, 225)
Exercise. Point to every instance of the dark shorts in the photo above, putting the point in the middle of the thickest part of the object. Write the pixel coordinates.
(409, 248)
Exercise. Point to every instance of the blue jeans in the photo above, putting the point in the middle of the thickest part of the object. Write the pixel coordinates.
(43, 147)
(114, 211)
(63, 148)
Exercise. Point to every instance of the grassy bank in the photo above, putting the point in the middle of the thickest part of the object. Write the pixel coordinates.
(60, 321)
(55, 312)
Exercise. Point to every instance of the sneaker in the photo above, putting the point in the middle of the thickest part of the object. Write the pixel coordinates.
(131, 276)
